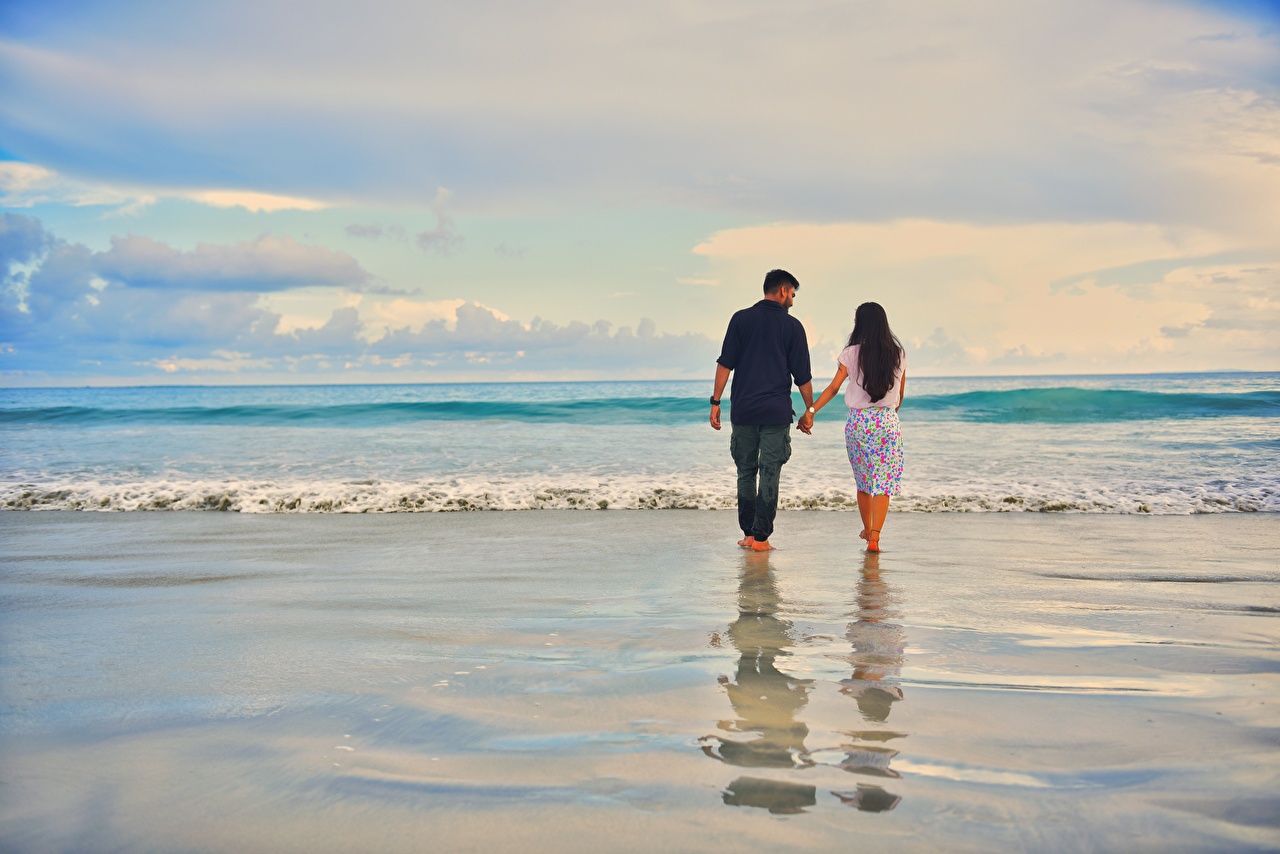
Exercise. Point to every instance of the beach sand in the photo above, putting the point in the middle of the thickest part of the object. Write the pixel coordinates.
(631, 681)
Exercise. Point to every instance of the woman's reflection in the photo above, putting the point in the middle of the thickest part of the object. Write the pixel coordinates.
(878, 645)
(878, 650)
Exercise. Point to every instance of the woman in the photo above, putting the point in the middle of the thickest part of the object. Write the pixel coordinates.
(875, 359)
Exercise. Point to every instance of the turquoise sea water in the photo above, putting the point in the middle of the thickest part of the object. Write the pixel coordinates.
(1164, 444)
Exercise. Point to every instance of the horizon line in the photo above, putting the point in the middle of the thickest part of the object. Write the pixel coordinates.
(3, 387)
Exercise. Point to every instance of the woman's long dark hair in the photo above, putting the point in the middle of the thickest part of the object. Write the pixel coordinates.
(880, 352)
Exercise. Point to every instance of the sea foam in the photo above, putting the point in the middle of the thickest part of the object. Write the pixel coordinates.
(618, 494)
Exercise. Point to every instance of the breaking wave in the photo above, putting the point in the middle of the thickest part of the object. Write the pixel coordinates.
(455, 496)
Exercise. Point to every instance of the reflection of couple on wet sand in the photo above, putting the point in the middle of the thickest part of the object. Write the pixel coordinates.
(768, 732)
(765, 349)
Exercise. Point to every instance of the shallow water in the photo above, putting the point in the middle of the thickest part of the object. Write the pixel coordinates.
(631, 681)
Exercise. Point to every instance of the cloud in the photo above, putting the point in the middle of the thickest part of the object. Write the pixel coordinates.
(509, 253)
(1168, 111)
(220, 361)
(1112, 297)
(22, 239)
(375, 231)
(144, 309)
(256, 202)
(27, 185)
(483, 337)
(444, 238)
(405, 312)
(265, 264)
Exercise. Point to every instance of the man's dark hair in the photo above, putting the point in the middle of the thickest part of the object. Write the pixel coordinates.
(775, 279)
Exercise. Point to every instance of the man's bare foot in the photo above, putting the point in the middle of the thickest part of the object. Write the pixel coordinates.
(761, 546)
(746, 542)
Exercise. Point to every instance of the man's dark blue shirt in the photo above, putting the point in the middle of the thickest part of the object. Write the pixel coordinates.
(766, 349)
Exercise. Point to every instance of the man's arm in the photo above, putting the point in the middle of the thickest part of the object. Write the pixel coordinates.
(727, 362)
(722, 377)
(806, 392)
(798, 364)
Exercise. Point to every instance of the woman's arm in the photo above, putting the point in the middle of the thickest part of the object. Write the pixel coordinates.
(842, 373)
(902, 393)
(806, 420)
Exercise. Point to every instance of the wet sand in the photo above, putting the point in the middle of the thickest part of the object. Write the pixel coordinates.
(631, 681)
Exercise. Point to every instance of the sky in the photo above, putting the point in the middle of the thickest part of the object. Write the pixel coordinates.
(310, 192)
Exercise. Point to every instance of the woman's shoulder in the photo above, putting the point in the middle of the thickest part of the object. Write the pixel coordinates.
(848, 356)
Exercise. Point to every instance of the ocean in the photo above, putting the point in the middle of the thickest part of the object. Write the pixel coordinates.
(1160, 444)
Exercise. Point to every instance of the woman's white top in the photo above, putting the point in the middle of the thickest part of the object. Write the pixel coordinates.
(855, 396)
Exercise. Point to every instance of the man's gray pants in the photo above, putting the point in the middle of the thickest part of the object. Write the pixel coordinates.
(759, 452)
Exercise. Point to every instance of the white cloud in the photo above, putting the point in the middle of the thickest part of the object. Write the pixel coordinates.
(221, 361)
(265, 264)
(26, 185)
(480, 336)
(405, 313)
(256, 202)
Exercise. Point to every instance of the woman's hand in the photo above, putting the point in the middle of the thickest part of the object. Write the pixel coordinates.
(805, 424)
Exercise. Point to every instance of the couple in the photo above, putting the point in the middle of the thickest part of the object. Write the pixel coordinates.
(765, 348)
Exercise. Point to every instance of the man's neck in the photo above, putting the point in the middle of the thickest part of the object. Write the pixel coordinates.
(778, 298)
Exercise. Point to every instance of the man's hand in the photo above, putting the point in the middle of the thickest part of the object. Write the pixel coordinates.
(805, 424)
(715, 418)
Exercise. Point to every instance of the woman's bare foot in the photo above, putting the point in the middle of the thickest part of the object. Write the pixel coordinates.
(863, 535)
(761, 546)
(746, 542)
(873, 541)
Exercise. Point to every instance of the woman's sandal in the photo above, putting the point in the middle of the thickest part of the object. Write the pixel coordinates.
(873, 540)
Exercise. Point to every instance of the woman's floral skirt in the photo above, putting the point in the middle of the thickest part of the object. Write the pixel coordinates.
(874, 439)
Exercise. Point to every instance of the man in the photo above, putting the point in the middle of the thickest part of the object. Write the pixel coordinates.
(765, 348)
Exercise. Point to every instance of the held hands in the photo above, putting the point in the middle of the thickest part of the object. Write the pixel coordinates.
(715, 418)
(805, 424)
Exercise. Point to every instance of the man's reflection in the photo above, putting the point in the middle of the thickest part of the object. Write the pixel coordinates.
(878, 651)
(765, 698)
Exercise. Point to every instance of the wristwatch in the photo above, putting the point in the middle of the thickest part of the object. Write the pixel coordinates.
(715, 402)
(812, 411)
